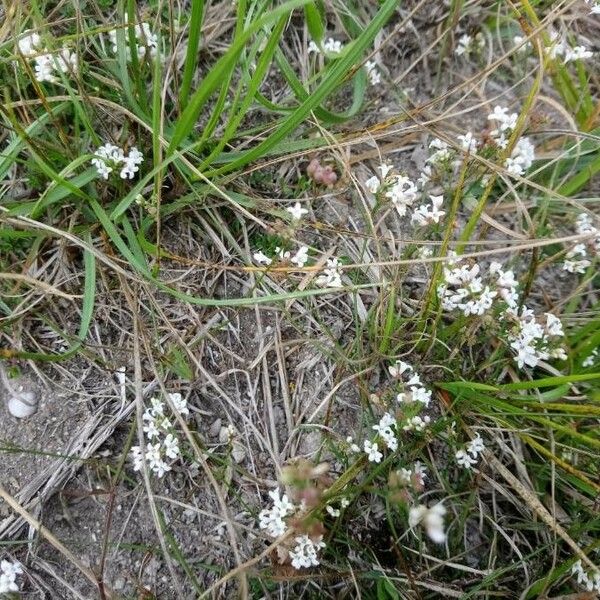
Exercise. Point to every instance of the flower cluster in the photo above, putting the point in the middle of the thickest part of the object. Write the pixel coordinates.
(399, 189)
(304, 554)
(591, 359)
(560, 48)
(427, 214)
(432, 520)
(590, 581)
(8, 576)
(146, 41)
(468, 44)
(160, 433)
(332, 276)
(577, 260)
(46, 64)
(465, 289)
(535, 338)
(330, 46)
(110, 157)
(521, 157)
(468, 456)
(296, 211)
(272, 519)
(523, 154)
(299, 258)
(373, 72)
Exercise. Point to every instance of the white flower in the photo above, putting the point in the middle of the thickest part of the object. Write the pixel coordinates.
(301, 257)
(468, 142)
(425, 176)
(464, 459)
(421, 394)
(353, 447)
(589, 580)
(442, 151)
(146, 41)
(180, 403)
(334, 512)
(44, 68)
(151, 430)
(591, 359)
(373, 184)
(331, 276)
(30, 44)
(261, 258)
(155, 460)
(384, 429)
(372, 451)
(131, 163)
(171, 445)
(398, 368)
(428, 214)
(431, 518)
(476, 446)
(468, 44)
(554, 326)
(333, 46)
(577, 53)
(402, 193)
(8, 576)
(297, 211)
(304, 554)
(138, 458)
(271, 519)
(373, 72)
(521, 158)
(312, 47)
(417, 423)
(66, 61)
(385, 169)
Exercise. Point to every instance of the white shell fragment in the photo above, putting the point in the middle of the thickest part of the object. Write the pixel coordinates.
(23, 405)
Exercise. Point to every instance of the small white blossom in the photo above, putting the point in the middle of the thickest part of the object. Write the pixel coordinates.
(304, 554)
(272, 519)
(476, 446)
(180, 403)
(131, 163)
(8, 576)
(468, 142)
(331, 276)
(30, 44)
(373, 72)
(577, 53)
(301, 257)
(398, 368)
(261, 258)
(402, 192)
(372, 451)
(297, 211)
(428, 214)
(589, 580)
(468, 44)
(591, 359)
(464, 459)
(146, 41)
(432, 520)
